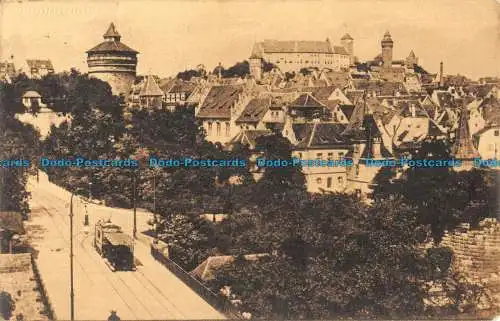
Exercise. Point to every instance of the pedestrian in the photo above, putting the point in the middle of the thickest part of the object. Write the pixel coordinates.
(113, 316)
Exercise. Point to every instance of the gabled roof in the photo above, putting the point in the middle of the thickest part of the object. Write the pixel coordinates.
(323, 135)
(405, 109)
(320, 93)
(463, 148)
(306, 100)
(150, 88)
(219, 101)
(255, 110)
(249, 137)
(347, 110)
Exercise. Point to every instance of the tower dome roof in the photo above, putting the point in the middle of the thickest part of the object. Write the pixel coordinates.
(387, 37)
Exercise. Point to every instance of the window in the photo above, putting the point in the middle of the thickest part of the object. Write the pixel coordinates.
(329, 182)
(340, 180)
(358, 192)
(341, 155)
(319, 180)
(330, 156)
(497, 133)
(319, 156)
(300, 155)
(209, 128)
(228, 131)
(357, 170)
(218, 129)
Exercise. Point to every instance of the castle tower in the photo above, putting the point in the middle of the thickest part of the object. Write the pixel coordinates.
(441, 76)
(255, 62)
(348, 43)
(113, 62)
(387, 45)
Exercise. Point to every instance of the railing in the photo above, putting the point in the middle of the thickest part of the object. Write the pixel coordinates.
(219, 303)
(49, 311)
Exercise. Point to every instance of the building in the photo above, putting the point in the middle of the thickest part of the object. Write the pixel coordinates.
(150, 95)
(291, 56)
(113, 62)
(7, 71)
(32, 98)
(37, 68)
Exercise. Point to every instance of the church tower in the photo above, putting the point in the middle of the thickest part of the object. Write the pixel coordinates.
(387, 45)
(113, 62)
(463, 148)
(348, 43)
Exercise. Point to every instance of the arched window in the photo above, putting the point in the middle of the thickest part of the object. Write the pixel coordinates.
(218, 129)
(209, 130)
(228, 129)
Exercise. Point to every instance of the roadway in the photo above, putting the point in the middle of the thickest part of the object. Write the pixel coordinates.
(150, 292)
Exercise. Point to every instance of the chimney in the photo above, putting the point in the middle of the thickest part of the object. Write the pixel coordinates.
(441, 78)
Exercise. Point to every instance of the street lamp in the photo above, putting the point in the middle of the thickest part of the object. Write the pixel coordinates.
(71, 293)
(90, 191)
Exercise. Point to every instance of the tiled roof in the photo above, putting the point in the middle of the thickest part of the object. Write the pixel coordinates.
(369, 151)
(150, 88)
(249, 137)
(302, 131)
(308, 101)
(40, 64)
(112, 46)
(322, 93)
(405, 109)
(347, 110)
(255, 110)
(305, 46)
(219, 101)
(323, 135)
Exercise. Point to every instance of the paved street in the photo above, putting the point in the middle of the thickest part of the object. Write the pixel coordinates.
(151, 292)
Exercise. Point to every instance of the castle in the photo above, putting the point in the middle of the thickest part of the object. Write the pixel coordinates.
(294, 55)
(113, 62)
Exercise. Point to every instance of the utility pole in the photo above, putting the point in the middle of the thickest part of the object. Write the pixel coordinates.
(71, 293)
(134, 232)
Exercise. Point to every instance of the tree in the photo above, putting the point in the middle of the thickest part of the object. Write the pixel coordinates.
(239, 69)
(186, 75)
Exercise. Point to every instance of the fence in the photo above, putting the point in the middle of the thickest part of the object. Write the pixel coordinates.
(43, 290)
(219, 303)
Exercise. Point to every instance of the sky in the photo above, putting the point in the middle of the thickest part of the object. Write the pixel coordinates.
(174, 35)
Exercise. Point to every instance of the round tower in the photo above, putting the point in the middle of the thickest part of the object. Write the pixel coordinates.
(387, 45)
(348, 43)
(113, 62)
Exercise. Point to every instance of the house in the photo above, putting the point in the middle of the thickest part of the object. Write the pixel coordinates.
(322, 141)
(217, 112)
(7, 71)
(253, 114)
(177, 92)
(38, 68)
(306, 108)
(487, 141)
(150, 94)
(31, 99)
(11, 224)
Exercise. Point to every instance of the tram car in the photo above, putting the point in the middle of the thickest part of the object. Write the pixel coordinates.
(116, 247)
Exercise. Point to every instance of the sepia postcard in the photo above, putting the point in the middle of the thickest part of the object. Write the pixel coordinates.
(239, 159)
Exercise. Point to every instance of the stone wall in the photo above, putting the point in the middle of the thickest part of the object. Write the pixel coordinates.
(477, 254)
(18, 279)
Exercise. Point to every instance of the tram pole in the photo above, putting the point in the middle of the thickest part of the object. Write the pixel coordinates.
(71, 293)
